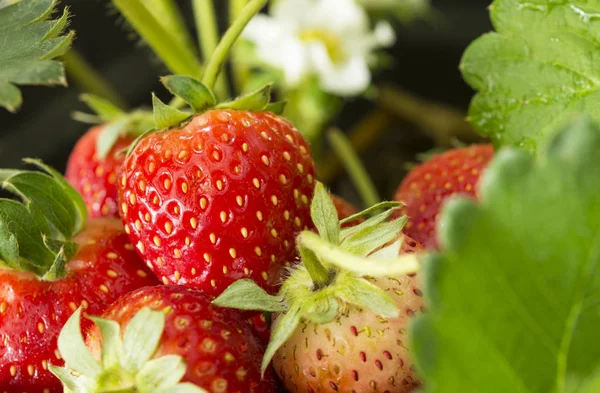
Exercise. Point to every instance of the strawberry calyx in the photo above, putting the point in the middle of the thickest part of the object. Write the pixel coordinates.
(334, 270)
(126, 362)
(117, 122)
(36, 232)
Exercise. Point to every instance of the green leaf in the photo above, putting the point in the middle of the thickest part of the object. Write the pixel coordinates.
(380, 206)
(324, 215)
(141, 339)
(166, 116)
(109, 136)
(255, 101)
(246, 295)
(282, 331)
(536, 72)
(30, 42)
(104, 108)
(111, 341)
(404, 264)
(160, 373)
(370, 239)
(191, 90)
(514, 294)
(362, 293)
(73, 350)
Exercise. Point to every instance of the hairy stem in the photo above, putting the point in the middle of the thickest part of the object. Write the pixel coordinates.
(89, 80)
(167, 47)
(222, 51)
(359, 176)
(167, 13)
(238, 65)
(208, 37)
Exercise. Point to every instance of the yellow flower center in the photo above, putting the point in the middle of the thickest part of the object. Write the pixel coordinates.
(332, 43)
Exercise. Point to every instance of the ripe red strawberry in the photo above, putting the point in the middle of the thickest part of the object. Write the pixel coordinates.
(96, 177)
(261, 327)
(342, 327)
(219, 199)
(38, 294)
(426, 187)
(219, 350)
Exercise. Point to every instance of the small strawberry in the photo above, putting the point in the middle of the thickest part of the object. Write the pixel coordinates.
(96, 177)
(426, 188)
(185, 339)
(52, 263)
(341, 318)
(94, 165)
(221, 197)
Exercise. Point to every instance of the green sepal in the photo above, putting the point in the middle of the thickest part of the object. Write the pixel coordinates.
(191, 90)
(364, 294)
(109, 136)
(255, 101)
(127, 364)
(370, 222)
(388, 252)
(73, 350)
(324, 215)
(111, 341)
(386, 206)
(369, 239)
(141, 338)
(282, 331)
(160, 373)
(71, 381)
(316, 269)
(246, 295)
(166, 116)
(323, 310)
(184, 387)
(63, 252)
(403, 264)
(276, 107)
(105, 109)
(36, 233)
(76, 198)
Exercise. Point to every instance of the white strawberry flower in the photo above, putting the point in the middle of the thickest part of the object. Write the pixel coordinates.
(331, 40)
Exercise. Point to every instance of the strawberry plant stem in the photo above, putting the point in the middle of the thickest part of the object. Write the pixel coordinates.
(359, 176)
(89, 80)
(163, 42)
(208, 37)
(222, 51)
(238, 65)
(168, 14)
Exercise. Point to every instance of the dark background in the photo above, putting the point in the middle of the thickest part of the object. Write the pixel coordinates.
(427, 57)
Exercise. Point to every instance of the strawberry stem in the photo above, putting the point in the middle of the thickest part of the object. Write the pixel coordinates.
(208, 36)
(172, 51)
(222, 51)
(358, 174)
(239, 64)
